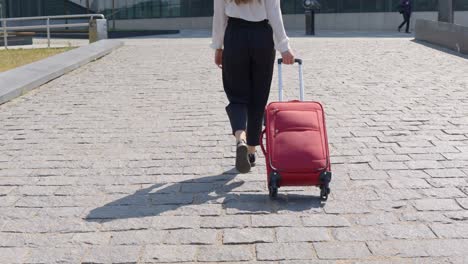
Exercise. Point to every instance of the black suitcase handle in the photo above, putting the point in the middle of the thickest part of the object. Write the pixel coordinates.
(299, 61)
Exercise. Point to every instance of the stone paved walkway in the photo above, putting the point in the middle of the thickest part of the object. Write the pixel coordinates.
(129, 159)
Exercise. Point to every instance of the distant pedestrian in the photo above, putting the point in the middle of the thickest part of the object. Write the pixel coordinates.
(405, 8)
(249, 31)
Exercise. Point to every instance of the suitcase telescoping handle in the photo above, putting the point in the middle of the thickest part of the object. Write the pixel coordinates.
(280, 79)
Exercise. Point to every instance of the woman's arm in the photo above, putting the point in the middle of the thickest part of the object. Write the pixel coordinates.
(275, 17)
(219, 24)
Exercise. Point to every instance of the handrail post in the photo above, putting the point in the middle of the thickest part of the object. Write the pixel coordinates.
(5, 34)
(48, 32)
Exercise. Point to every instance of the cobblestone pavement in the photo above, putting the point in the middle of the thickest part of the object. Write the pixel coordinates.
(129, 159)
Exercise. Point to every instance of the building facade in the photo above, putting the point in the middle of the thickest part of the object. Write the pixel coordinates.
(181, 14)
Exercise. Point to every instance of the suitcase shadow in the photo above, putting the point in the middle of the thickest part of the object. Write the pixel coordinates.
(200, 196)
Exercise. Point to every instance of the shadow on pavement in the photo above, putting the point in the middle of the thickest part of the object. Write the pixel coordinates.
(218, 190)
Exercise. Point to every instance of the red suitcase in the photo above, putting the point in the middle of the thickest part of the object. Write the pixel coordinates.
(296, 150)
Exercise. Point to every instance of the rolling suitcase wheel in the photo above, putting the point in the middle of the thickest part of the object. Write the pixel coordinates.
(325, 178)
(273, 192)
(324, 192)
(274, 184)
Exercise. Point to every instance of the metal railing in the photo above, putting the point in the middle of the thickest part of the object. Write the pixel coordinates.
(47, 25)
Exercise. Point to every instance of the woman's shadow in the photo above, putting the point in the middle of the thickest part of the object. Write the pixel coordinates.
(219, 189)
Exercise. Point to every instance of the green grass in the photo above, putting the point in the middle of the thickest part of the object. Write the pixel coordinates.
(12, 58)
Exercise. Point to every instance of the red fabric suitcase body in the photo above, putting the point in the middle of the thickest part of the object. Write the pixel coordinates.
(296, 150)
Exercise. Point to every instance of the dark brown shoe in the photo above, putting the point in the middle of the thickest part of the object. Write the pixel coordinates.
(252, 159)
(242, 157)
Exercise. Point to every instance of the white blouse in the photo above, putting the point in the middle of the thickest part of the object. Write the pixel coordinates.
(254, 11)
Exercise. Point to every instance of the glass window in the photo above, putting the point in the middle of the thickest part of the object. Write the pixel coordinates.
(374, 6)
(461, 5)
(349, 6)
(425, 5)
(330, 6)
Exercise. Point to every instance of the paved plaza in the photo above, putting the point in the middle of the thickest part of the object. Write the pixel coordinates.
(129, 160)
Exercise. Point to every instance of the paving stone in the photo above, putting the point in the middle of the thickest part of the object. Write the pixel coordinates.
(44, 225)
(9, 201)
(171, 199)
(176, 222)
(169, 254)
(248, 236)
(14, 255)
(424, 217)
(366, 184)
(275, 221)
(368, 175)
(424, 164)
(399, 194)
(14, 240)
(5, 190)
(235, 221)
(389, 206)
(137, 237)
(127, 224)
(225, 253)
(457, 215)
(191, 210)
(359, 194)
(341, 250)
(192, 237)
(390, 158)
(197, 187)
(408, 174)
(453, 164)
(442, 192)
(456, 156)
(463, 203)
(355, 207)
(428, 248)
(408, 231)
(310, 261)
(436, 205)
(114, 254)
(396, 165)
(445, 173)
(359, 234)
(374, 219)
(457, 230)
(399, 183)
(284, 251)
(325, 221)
(59, 212)
(301, 234)
(58, 201)
(97, 238)
(56, 255)
(427, 157)
(448, 182)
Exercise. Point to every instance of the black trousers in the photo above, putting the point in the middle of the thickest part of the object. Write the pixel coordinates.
(406, 20)
(248, 61)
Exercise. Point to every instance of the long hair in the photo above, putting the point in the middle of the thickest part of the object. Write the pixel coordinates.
(238, 2)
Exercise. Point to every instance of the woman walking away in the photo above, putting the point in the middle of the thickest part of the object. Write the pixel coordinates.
(249, 30)
(405, 8)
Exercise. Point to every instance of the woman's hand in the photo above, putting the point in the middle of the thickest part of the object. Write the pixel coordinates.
(219, 58)
(288, 57)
